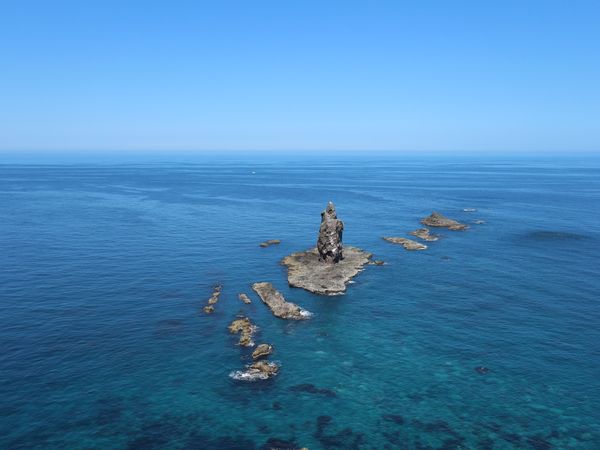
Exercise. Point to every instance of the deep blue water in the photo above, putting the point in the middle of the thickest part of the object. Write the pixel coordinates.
(105, 269)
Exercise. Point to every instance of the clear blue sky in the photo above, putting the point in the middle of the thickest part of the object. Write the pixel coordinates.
(214, 75)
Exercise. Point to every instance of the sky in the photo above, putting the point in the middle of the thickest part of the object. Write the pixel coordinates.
(406, 76)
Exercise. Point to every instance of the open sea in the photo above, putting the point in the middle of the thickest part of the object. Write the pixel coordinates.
(105, 268)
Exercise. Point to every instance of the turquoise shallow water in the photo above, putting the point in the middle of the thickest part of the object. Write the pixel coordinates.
(105, 269)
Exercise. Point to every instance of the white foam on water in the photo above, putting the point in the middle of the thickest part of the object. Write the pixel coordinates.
(242, 375)
(305, 313)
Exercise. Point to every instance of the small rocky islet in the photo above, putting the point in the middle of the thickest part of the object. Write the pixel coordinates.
(408, 244)
(269, 243)
(436, 219)
(327, 268)
(262, 351)
(278, 304)
(245, 328)
(425, 234)
(244, 298)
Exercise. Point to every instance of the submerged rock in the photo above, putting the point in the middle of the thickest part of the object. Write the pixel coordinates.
(329, 242)
(307, 271)
(423, 233)
(262, 350)
(396, 418)
(245, 328)
(479, 222)
(280, 444)
(277, 303)
(245, 298)
(482, 370)
(270, 242)
(312, 389)
(377, 262)
(259, 370)
(438, 220)
(408, 244)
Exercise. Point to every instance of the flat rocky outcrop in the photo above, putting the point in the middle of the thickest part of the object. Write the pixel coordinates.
(423, 233)
(408, 244)
(244, 298)
(270, 242)
(259, 370)
(262, 351)
(245, 328)
(306, 270)
(277, 303)
(438, 220)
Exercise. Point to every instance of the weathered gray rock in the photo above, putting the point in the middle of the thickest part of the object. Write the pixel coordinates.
(245, 328)
(377, 262)
(245, 298)
(209, 308)
(277, 303)
(438, 220)
(259, 370)
(270, 242)
(408, 244)
(423, 233)
(329, 242)
(307, 271)
(262, 350)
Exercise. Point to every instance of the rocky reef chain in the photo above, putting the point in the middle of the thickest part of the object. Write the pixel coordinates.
(329, 242)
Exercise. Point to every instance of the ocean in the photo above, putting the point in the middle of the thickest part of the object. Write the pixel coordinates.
(489, 339)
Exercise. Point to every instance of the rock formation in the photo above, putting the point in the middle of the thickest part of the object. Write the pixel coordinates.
(329, 243)
(262, 351)
(423, 233)
(377, 262)
(259, 370)
(277, 303)
(438, 220)
(244, 298)
(408, 244)
(209, 308)
(326, 269)
(270, 242)
(245, 328)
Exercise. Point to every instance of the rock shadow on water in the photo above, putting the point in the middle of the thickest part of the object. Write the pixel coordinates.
(168, 327)
(344, 439)
(450, 439)
(312, 389)
(280, 444)
(197, 441)
(395, 418)
(553, 235)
